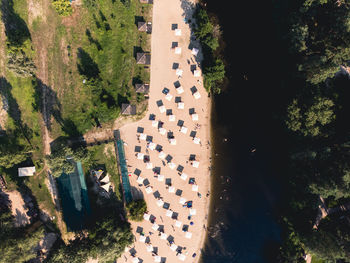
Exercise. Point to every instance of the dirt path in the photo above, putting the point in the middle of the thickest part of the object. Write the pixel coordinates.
(3, 112)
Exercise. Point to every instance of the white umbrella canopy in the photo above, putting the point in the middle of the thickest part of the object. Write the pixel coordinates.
(155, 124)
(184, 176)
(177, 32)
(195, 117)
(106, 187)
(197, 73)
(184, 129)
(105, 179)
(193, 211)
(146, 216)
(139, 180)
(140, 156)
(157, 259)
(149, 166)
(173, 247)
(171, 189)
(172, 141)
(160, 178)
(195, 164)
(143, 136)
(182, 257)
(168, 97)
(172, 165)
(182, 200)
(188, 235)
(180, 90)
(149, 190)
(195, 188)
(155, 227)
(149, 248)
(178, 50)
(197, 95)
(152, 146)
(181, 105)
(196, 140)
(161, 155)
(162, 131)
(162, 109)
(163, 236)
(172, 117)
(178, 223)
(142, 239)
(194, 51)
(179, 72)
(169, 213)
(160, 202)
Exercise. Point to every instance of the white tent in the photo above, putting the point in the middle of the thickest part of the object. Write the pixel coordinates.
(193, 211)
(149, 190)
(106, 186)
(171, 189)
(173, 247)
(155, 227)
(135, 260)
(177, 32)
(195, 164)
(162, 109)
(105, 179)
(183, 129)
(163, 236)
(184, 176)
(160, 178)
(172, 141)
(139, 180)
(161, 155)
(195, 117)
(182, 200)
(149, 248)
(160, 202)
(168, 97)
(155, 124)
(162, 131)
(140, 156)
(179, 72)
(195, 51)
(182, 257)
(188, 235)
(146, 216)
(178, 223)
(196, 140)
(197, 95)
(197, 73)
(178, 50)
(152, 146)
(171, 165)
(169, 213)
(143, 136)
(181, 105)
(195, 188)
(172, 117)
(26, 171)
(149, 166)
(157, 259)
(142, 239)
(180, 90)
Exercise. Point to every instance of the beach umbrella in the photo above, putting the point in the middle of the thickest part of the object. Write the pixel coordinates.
(169, 213)
(180, 90)
(155, 124)
(162, 109)
(177, 32)
(178, 50)
(172, 165)
(149, 190)
(181, 105)
(135, 260)
(105, 179)
(149, 166)
(196, 140)
(197, 73)
(173, 247)
(143, 136)
(163, 236)
(160, 178)
(161, 155)
(168, 97)
(196, 95)
(178, 223)
(195, 117)
(179, 72)
(188, 235)
(195, 188)
(157, 259)
(140, 156)
(182, 200)
(172, 141)
(146, 216)
(184, 176)
(193, 211)
(171, 189)
(194, 51)
(149, 248)
(183, 129)
(155, 227)
(106, 187)
(142, 239)
(162, 131)
(172, 117)
(160, 202)
(195, 164)
(182, 257)
(139, 180)
(152, 146)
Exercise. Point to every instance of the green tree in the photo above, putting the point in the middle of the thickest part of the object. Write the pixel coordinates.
(62, 7)
(136, 209)
(213, 75)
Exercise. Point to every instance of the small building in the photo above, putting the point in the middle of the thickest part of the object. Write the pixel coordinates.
(26, 171)
(128, 109)
(143, 58)
(142, 88)
(146, 1)
(145, 27)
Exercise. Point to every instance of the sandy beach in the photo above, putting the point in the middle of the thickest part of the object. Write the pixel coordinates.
(170, 182)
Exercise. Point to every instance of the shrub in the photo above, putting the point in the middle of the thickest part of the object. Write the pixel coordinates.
(136, 209)
(62, 7)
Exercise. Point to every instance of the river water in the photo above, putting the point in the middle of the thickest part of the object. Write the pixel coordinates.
(247, 144)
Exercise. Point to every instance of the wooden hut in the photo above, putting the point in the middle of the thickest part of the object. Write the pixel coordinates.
(143, 58)
(128, 109)
(142, 88)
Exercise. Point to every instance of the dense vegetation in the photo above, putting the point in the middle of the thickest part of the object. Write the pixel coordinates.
(136, 209)
(63, 7)
(316, 120)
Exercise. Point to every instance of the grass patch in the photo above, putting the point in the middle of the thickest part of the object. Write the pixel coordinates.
(317, 260)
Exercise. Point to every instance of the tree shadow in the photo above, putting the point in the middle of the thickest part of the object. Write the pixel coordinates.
(86, 65)
(92, 40)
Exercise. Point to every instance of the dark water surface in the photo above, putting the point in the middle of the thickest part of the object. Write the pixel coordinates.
(246, 186)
